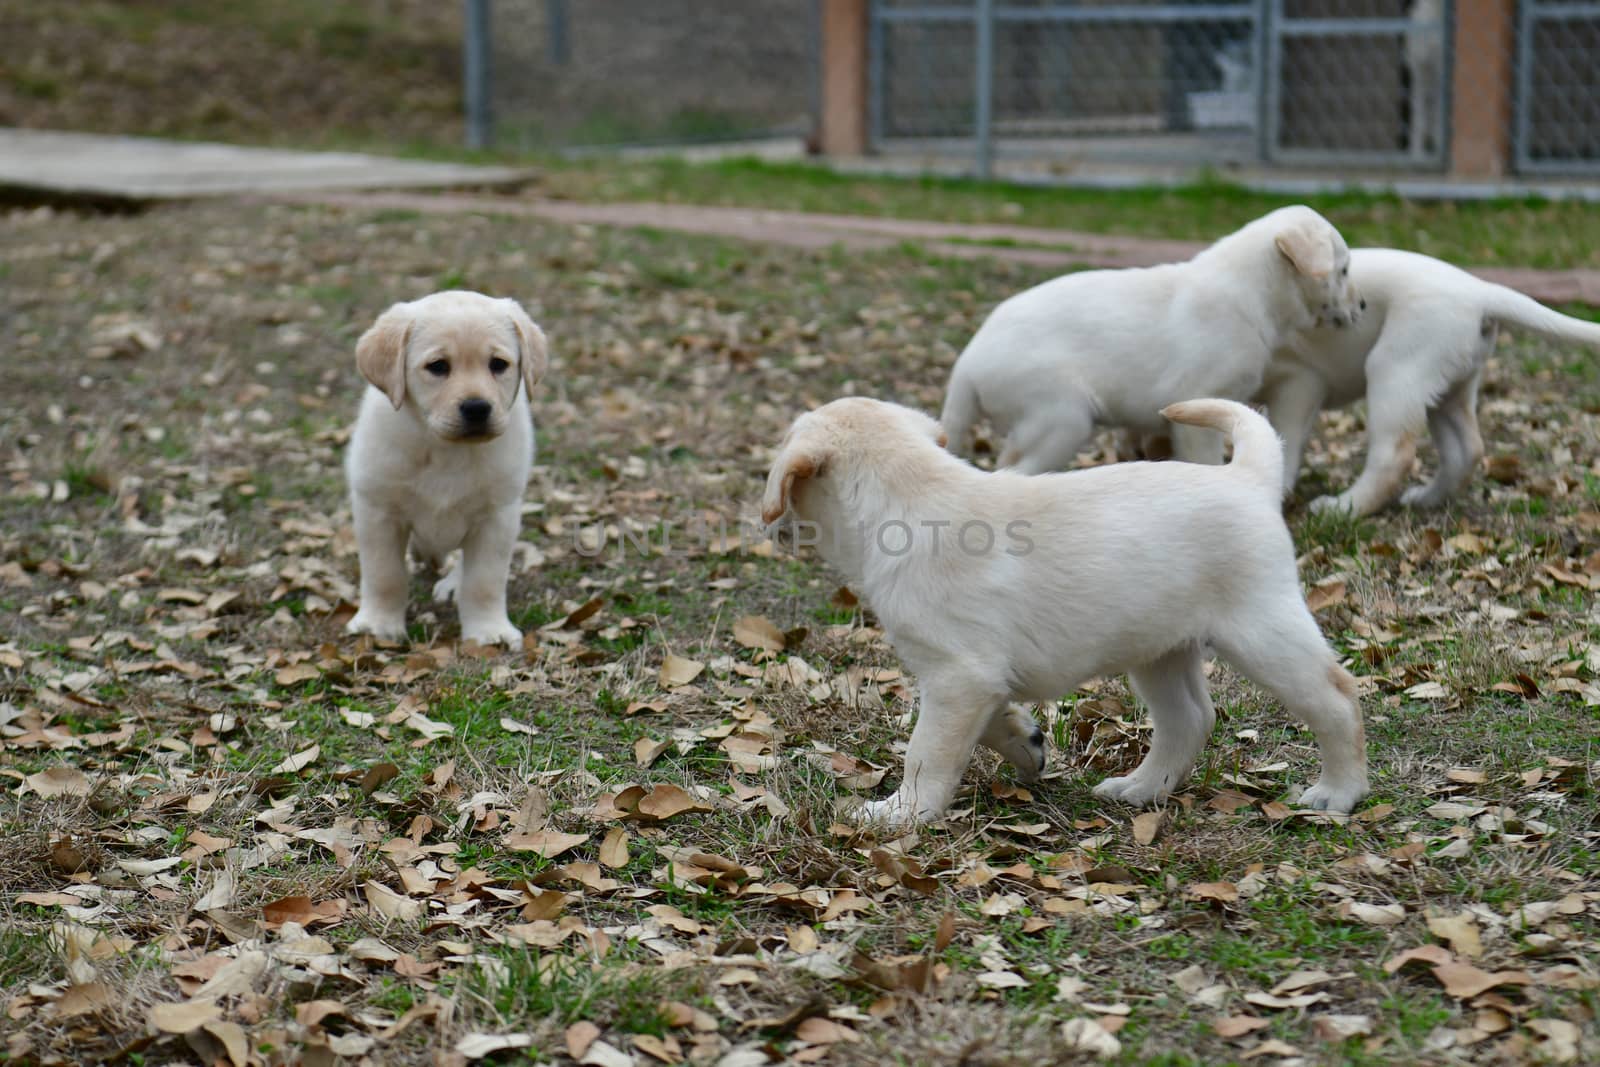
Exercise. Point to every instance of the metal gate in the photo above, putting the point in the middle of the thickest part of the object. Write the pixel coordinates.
(1158, 78)
(1557, 125)
(1357, 82)
(1220, 82)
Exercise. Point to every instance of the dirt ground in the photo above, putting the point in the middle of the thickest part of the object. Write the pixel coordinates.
(237, 835)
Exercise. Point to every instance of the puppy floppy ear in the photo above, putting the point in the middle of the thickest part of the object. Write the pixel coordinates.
(533, 350)
(381, 353)
(798, 459)
(1307, 248)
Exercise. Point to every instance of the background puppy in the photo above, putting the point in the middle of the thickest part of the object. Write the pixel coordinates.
(996, 587)
(440, 455)
(1111, 347)
(1417, 356)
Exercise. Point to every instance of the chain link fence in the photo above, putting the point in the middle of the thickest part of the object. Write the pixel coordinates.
(1392, 84)
(565, 73)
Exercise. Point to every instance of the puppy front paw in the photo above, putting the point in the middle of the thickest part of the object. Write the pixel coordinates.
(499, 632)
(1339, 797)
(891, 814)
(1135, 790)
(1326, 504)
(386, 626)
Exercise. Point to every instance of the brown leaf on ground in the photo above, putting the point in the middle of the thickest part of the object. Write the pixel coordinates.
(755, 631)
(677, 671)
(1461, 931)
(1239, 1025)
(1464, 981)
(546, 843)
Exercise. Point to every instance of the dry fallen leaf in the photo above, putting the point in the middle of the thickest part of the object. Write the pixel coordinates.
(392, 905)
(753, 631)
(1341, 1027)
(1325, 595)
(579, 1036)
(546, 843)
(477, 1046)
(665, 801)
(1146, 825)
(184, 1016)
(1087, 1035)
(1558, 1039)
(1460, 930)
(1220, 892)
(1463, 981)
(614, 849)
(1239, 1025)
(1373, 914)
(59, 782)
(676, 671)
(299, 761)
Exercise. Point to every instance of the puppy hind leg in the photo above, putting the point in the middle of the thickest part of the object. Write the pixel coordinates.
(956, 711)
(1454, 426)
(1283, 652)
(1174, 689)
(1049, 438)
(1396, 414)
(1015, 735)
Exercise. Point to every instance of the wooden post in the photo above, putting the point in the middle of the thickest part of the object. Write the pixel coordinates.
(1480, 115)
(842, 124)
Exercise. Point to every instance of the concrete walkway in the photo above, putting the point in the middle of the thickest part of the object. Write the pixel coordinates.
(144, 168)
(1044, 247)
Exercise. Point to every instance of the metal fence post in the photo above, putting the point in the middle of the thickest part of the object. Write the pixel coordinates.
(983, 119)
(555, 15)
(480, 119)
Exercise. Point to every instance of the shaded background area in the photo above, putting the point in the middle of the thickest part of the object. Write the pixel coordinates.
(566, 72)
(388, 73)
(322, 72)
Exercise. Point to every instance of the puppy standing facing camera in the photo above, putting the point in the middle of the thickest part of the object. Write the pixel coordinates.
(440, 456)
(997, 586)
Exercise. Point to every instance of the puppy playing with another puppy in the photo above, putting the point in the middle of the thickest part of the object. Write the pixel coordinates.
(440, 456)
(995, 587)
(1112, 347)
(1417, 357)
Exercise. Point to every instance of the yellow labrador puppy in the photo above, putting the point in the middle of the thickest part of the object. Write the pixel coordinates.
(994, 587)
(440, 455)
(1112, 347)
(1417, 358)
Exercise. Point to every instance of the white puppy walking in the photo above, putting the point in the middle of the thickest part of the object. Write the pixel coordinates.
(440, 455)
(1112, 347)
(995, 587)
(1418, 357)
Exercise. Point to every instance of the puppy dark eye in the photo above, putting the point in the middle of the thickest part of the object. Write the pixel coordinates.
(1344, 271)
(438, 368)
(498, 365)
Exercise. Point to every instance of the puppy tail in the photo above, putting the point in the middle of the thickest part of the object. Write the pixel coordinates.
(960, 413)
(1511, 308)
(1257, 450)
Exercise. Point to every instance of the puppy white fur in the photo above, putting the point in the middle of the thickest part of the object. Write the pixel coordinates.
(996, 587)
(440, 455)
(1112, 347)
(1417, 356)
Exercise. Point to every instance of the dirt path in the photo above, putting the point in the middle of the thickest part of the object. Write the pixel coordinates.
(1021, 244)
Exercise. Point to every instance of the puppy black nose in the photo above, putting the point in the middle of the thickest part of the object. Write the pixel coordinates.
(1363, 305)
(475, 411)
